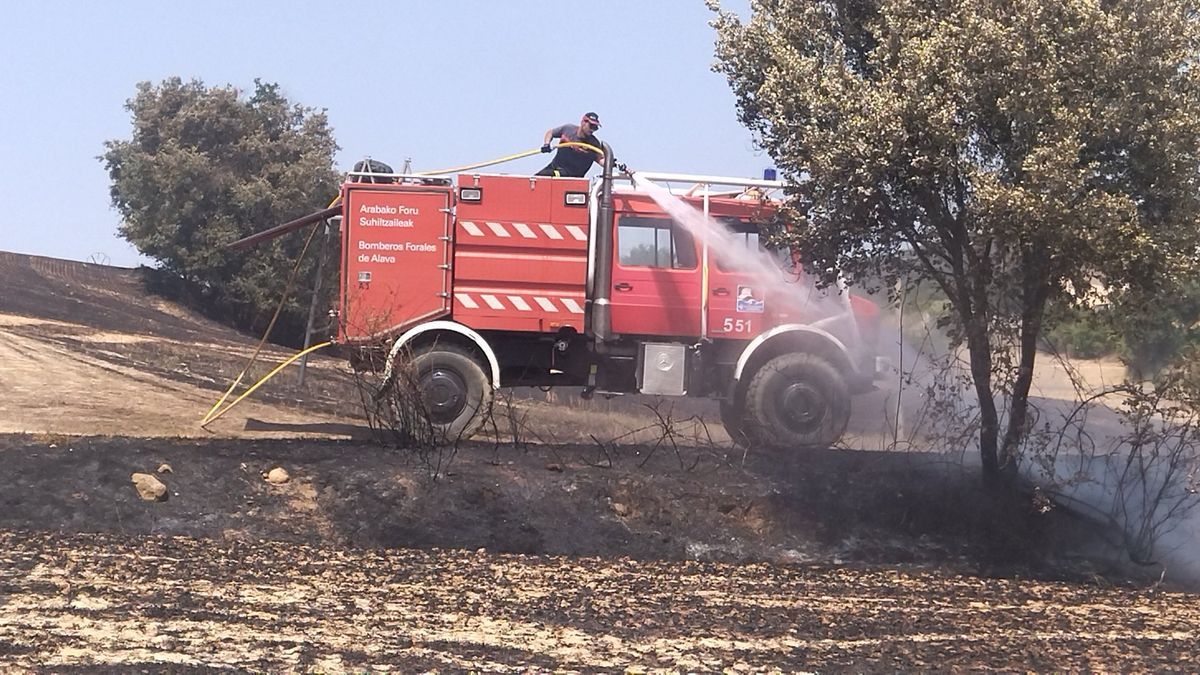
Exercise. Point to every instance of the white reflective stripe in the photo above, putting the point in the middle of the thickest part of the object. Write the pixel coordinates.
(550, 231)
(471, 228)
(519, 302)
(525, 231)
(577, 232)
(498, 229)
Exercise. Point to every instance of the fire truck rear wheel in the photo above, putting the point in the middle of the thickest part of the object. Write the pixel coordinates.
(457, 392)
(797, 401)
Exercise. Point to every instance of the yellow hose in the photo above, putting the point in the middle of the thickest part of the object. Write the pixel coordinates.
(508, 158)
(468, 167)
(263, 341)
(209, 420)
(578, 144)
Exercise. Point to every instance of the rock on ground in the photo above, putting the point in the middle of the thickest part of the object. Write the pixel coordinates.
(149, 488)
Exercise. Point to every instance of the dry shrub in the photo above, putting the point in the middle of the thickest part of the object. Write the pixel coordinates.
(1124, 457)
(1144, 483)
(394, 408)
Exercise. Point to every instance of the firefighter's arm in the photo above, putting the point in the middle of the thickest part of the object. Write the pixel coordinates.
(550, 133)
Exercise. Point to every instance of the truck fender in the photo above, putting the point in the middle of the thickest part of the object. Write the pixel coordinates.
(763, 338)
(453, 327)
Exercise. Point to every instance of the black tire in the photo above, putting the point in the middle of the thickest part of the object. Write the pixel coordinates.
(733, 419)
(797, 401)
(456, 392)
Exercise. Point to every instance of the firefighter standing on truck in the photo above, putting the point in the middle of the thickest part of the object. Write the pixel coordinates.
(573, 161)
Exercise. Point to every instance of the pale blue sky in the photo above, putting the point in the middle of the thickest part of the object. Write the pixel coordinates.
(445, 83)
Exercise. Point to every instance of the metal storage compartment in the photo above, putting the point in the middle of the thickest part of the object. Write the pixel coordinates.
(520, 256)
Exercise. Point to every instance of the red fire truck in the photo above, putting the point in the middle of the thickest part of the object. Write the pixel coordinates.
(487, 281)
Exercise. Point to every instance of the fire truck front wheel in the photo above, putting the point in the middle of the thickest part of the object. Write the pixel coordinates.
(797, 401)
(456, 391)
(732, 418)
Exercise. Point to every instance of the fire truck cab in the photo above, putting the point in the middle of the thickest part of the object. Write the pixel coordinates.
(479, 281)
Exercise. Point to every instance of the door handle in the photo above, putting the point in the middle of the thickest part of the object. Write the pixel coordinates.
(720, 291)
(623, 287)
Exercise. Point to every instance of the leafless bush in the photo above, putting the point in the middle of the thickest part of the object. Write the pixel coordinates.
(1143, 482)
(691, 433)
(398, 415)
(689, 439)
(507, 426)
(931, 401)
(395, 410)
(1126, 456)
(1154, 471)
(512, 424)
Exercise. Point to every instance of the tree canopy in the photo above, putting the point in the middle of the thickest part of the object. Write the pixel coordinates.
(1014, 152)
(206, 166)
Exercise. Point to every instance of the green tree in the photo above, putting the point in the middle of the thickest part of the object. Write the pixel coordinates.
(206, 166)
(1157, 330)
(1012, 151)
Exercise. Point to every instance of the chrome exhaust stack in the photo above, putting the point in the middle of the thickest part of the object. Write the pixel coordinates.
(602, 289)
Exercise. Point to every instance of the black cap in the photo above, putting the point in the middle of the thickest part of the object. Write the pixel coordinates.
(593, 118)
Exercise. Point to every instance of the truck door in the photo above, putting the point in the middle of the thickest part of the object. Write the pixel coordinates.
(745, 285)
(655, 276)
(395, 258)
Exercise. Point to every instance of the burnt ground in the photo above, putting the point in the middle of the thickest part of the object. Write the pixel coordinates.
(112, 603)
(546, 558)
(557, 500)
(545, 554)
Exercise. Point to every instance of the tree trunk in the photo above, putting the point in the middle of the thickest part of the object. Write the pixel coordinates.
(1031, 328)
(1018, 408)
(981, 374)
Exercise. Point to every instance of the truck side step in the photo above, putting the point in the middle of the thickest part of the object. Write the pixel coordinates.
(589, 392)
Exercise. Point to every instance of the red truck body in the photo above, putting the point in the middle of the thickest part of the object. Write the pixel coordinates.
(503, 271)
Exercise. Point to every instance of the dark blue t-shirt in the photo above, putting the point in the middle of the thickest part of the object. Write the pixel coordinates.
(573, 161)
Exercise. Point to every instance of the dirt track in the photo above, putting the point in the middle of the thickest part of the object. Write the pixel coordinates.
(85, 351)
(42, 380)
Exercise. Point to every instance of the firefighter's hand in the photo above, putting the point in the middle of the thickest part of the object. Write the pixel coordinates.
(546, 148)
(621, 166)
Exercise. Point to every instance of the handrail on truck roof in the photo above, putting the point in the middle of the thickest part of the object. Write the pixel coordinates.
(702, 179)
(427, 176)
(707, 180)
